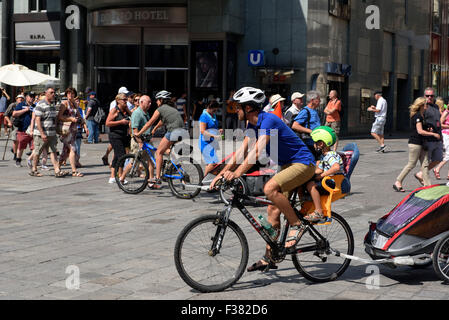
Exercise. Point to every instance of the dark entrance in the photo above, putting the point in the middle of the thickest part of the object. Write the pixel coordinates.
(403, 119)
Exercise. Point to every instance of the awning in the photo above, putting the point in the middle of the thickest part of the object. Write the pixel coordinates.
(38, 45)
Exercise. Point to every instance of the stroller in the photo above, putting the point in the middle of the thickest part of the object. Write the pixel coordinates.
(415, 232)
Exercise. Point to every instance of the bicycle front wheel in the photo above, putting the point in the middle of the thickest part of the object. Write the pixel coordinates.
(315, 259)
(198, 267)
(136, 174)
(185, 178)
(441, 259)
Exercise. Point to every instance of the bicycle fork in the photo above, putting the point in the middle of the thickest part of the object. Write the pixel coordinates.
(221, 222)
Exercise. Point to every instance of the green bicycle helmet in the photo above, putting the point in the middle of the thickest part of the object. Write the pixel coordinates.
(325, 134)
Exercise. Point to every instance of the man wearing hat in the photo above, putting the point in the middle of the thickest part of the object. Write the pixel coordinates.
(274, 99)
(92, 125)
(292, 112)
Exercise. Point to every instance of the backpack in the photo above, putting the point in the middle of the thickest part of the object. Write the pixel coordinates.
(100, 115)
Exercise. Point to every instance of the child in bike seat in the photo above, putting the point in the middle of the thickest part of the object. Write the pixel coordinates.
(329, 163)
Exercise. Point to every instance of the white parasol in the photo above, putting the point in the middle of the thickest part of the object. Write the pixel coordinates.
(17, 75)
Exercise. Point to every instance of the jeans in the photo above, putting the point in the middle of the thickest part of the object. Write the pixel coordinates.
(94, 131)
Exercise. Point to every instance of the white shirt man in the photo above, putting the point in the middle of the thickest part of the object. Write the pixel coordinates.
(380, 110)
(293, 111)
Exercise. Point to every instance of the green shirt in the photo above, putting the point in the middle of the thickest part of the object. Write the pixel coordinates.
(139, 118)
(170, 117)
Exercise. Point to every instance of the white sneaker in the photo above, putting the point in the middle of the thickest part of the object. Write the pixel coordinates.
(111, 180)
(44, 167)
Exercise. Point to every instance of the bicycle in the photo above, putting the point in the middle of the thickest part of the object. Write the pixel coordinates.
(207, 263)
(183, 175)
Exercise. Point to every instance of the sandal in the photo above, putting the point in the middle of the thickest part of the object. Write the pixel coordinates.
(437, 174)
(77, 174)
(398, 189)
(153, 184)
(264, 267)
(60, 174)
(421, 181)
(314, 216)
(299, 230)
(36, 174)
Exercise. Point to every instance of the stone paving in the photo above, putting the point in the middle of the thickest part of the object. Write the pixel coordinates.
(122, 245)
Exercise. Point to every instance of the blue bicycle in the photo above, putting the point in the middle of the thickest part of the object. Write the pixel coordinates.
(183, 175)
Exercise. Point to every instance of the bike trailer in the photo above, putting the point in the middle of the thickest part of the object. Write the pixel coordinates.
(413, 227)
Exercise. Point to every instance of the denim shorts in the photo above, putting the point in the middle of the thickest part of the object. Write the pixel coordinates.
(378, 125)
(174, 136)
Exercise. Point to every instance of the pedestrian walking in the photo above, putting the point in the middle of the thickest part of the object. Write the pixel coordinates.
(45, 132)
(209, 135)
(118, 121)
(68, 113)
(380, 110)
(444, 120)
(22, 120)
(94, 127)
(433, 145)
(332, 112)
(415, 144)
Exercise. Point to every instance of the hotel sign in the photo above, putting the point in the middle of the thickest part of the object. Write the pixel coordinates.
(140, 17)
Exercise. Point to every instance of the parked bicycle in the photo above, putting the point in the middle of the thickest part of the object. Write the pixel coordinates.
(211, 252)
(183, 174)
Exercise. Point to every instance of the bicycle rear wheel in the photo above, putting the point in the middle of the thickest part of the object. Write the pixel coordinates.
(441, 259)
(314, 258)
(136, 178)
(185, 179)
(198, 267)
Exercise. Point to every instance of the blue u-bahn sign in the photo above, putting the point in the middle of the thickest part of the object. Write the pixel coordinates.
(256, 58)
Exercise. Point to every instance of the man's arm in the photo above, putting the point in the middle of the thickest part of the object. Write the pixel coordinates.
(237, 158)
(149, 123)
(299, 128)
(40, 129)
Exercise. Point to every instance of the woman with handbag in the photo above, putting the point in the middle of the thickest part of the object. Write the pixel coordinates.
(68, 120)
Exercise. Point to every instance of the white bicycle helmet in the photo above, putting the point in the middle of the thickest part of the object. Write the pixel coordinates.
(163, 95)
(249, 95)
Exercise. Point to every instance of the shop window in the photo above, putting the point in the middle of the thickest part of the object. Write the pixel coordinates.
(340, 8)
(166, 56)
(37, 5)
(117, 56)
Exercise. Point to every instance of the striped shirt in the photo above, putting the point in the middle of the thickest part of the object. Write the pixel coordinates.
(48, 114)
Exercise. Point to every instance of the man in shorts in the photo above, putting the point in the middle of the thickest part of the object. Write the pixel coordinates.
(45, 132)
(380, 110)
(296, 161)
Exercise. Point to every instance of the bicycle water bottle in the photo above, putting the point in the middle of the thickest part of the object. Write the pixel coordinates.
(267, 226)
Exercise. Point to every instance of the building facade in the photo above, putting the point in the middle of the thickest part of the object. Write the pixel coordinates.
(205, 48)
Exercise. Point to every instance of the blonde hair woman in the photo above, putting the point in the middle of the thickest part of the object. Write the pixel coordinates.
(118, 122)
(415, 145)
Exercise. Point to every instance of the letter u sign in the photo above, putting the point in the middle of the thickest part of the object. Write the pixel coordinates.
(256, 58)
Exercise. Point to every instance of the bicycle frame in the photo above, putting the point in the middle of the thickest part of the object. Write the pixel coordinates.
(278, 249)
(149, 149)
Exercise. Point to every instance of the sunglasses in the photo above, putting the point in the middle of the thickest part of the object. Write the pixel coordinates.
(429, 96)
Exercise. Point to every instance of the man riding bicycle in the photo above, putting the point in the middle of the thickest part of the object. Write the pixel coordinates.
(296, 161)
(169, 116)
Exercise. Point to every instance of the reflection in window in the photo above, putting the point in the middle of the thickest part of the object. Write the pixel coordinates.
(167, 56)
(117, 56)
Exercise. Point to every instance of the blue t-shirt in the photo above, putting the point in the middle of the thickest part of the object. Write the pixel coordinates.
(212, 127)
(291, 149)
(26, 117)
(310, 123)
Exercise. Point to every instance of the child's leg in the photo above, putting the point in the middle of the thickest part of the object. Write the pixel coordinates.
(316, 197)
